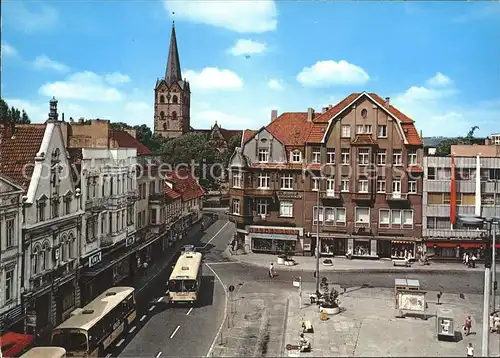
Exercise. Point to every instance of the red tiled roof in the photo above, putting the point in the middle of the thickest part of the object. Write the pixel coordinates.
(325, 117)
(18, 148)
(171, 193)
(291, 128)
(125, 140)
(186, 185)
(317, 132)
(247, 133)
(411, 134)
(230, 133)
(363, 139)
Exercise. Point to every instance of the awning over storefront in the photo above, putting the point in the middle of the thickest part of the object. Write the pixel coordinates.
(274, 236)
(403, 241)
(461, 244)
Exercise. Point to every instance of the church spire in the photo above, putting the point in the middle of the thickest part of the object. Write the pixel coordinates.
(173, 72)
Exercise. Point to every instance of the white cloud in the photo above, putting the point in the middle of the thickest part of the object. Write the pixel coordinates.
(213, 78)
(439, 80)
(29, 17)
(235, 15)
(275, 84)
(247, 47)
(137, 106)
(225, 120)
(44, 62)
(8, 50)
(86, 86)
(329, 73)
(117, 78)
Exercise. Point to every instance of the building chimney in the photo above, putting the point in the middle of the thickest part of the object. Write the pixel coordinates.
(487, 141)
(62, 119)
(324, 109)
(310, 114)
(387, 101)
(274, 114)
(53, 110)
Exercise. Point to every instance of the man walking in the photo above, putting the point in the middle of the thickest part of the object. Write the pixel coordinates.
(470, 350)
(271, 270)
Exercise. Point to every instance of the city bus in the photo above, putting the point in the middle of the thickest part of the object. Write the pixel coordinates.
(185, 280)
(45, 352)
(92, 329)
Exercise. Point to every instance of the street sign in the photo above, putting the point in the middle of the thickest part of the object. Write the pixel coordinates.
(231, 288)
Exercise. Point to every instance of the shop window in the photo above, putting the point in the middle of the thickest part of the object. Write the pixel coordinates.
(362, 247)
(286, 208)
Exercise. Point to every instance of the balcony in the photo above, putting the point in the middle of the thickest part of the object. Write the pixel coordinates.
(329, 194)
(157, 198)
(116, 202)
(362, 196)
(457, 234)
(396, 196)
(95, 205)
(132, 196)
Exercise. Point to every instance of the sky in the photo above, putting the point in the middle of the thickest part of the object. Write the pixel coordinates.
(439, 62)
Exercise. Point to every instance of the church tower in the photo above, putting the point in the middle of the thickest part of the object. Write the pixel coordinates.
(172, 97)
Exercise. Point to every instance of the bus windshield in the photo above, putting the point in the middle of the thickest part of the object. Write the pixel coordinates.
(71, 341)
(182, 285)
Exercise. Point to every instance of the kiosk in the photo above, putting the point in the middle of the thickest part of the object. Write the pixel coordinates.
(445, 324)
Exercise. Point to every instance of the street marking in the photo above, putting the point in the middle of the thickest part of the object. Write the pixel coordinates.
(121, 342)
(217, 233)
(159, 354)
(174, 332)
(187, 314)
(109, 355)
(159, 299)
(131, 330)
(143, 318)
(209, 354)
(151, 308)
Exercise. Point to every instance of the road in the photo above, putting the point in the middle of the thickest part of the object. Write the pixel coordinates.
(166, 330)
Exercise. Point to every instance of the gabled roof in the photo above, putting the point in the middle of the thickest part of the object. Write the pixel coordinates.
(247, 134)
(185, 184)
(230, 133)
(125, 140)
(19, 146)
(171, 193)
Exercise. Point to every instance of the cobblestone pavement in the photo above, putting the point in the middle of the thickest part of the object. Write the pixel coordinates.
(368, 327)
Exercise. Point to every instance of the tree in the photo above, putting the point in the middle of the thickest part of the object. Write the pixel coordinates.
(444, 148)
(144, 134)
(13, 114)
(226, 155)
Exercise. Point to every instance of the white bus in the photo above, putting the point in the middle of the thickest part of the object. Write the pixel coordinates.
(185, 280)
(45, 352)
(93, 328)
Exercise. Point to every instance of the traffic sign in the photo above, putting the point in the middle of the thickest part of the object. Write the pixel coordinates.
(231, 288)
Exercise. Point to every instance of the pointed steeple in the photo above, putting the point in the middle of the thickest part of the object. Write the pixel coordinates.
(173, 72)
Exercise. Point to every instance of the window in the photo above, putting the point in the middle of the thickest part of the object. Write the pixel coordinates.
(443, 174)
(162, 115)
(174, 115)
(263, 155)
(359, 129)
(316, 155)
(396, 185)
(286, 208)
(287, 182)
(315, 184)
(363, 185)
(162, 99)
(412, 186)
(316, 213)
(396, 157)
(363, 156)
(41, 210)
(263, 181)
(364, 113)
(362, 215)
(346, 131)
(344, 154)
(330, 186)
(236, 180)
(438, 223)
(55, 207)
(262, 205)
(10, 232)
(329, 216)
(431, 173)
(364, 129)
(382, 131)
(384, 218)
(340, 214)
(236, 206)
(296, 156)
(344, 185)
(396, 218)
(381, 186)
(35, 261)
(152, 214)
(67, 206)
(330, 156)
(9, 285)
(407, 217)
(175, 99)
(412, 157)
(381, 157)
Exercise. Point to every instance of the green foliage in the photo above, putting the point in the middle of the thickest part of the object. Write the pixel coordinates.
(144, 134)
(444, 148)
(225, 156)
(12, 114)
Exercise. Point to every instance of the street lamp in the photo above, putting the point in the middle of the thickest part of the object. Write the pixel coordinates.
(317, 237)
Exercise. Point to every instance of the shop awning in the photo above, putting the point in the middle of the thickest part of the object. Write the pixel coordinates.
(403, 241)
(441, 244)
(274, 236)
(465, 245)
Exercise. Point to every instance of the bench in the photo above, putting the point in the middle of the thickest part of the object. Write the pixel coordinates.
(307, 326)
(401, 262)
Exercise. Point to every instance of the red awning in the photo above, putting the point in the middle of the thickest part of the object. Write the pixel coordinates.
(14, 344)
(441, 244)
(465, 245)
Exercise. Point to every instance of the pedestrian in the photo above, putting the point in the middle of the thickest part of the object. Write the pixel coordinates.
(473, 259)
(467, 325)
(145, 268)
(470, 350)
(271, 270)
(496, 323)
(492, 322)
(467, 259)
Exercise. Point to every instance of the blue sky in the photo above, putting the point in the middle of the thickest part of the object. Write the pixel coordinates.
(438, 61)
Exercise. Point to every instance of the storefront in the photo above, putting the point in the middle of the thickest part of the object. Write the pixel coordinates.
(333, 246)
(401, 249)
(364, 247)
(13, 320)
(65, 298)
(456, 249)
(274, 240)
(39, 312)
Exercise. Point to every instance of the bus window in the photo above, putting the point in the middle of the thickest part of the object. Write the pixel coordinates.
(189, 285)
(71, 341)
(175, 286)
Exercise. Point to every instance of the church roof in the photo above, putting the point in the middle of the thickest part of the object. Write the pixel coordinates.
(173, 71)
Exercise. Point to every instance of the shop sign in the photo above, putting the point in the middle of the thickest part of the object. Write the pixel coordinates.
(31, 319)
(130, 241)
(95, 259)
(289, 195)
(307, 247)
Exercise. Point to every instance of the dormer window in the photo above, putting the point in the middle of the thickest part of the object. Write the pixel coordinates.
(364, 113)
(263, 155)
(41, 206)
(296, 156)
(316, 156)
